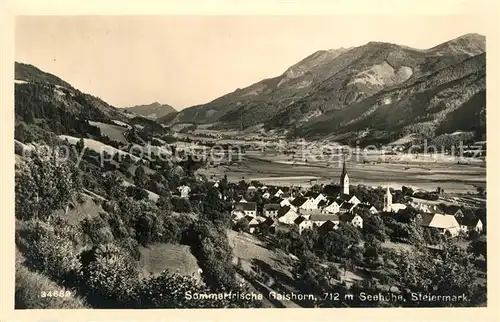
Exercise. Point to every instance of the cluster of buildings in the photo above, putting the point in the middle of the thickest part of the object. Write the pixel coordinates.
(450, 221)
(315, 210)
(305, 210)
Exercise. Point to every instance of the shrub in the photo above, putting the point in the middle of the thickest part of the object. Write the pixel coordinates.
(171, 290)
(181, 204)
(110, 275)
(97, 230)
(242, 225)
(50, 249)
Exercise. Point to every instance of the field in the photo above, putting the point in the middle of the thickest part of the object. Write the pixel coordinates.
(419, 173)
(87, 209)
(97, 146)
(114, 132)
(175, 258)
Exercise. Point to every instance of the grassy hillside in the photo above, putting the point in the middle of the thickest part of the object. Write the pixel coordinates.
(156, 258)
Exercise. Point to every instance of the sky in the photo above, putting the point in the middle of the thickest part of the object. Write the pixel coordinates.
(188, 60)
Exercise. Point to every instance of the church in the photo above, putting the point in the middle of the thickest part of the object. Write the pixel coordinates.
(345, 195)
(344, 181)
(389, 206)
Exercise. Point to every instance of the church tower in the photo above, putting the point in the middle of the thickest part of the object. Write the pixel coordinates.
(344, 181)
(388, 200)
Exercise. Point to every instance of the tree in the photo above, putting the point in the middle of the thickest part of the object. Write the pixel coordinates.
(213, 208)
(80, 145)
(311, 277)
(372, 254)
(346, 264)
(136, 192)
(140, 177)
(407, 191)
(44, 184)
(374, 225)
(480, 190)
(432, 236)
(144, 225)
(181, 204)
(448, 273)
(214, 254)
(112, 185)
(96, 229)
(110, 275)
(337, 244)
(242, 225)
(164, 202)
(478, 247)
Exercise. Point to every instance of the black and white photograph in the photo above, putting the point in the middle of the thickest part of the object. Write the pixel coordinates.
(250, 161)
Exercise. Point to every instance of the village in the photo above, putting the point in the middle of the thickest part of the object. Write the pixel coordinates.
(285, 207)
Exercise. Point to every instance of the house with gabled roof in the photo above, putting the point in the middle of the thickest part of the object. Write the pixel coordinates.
(444, 223)
(331, 207)
(270, 224)
(453, 210)
(319, 219)
(248, 208)
(298, 201)
(253, 224)
(352, 218)
(240, 199)
(346, 207)
(348, 198)
(367, 207)
(315, 196)
(287, 215)
(278, 193)
(271, 210)
(304, 204)
(284, 202)
(323, 203)
(327, 226)
(468, 224)
(303, 223)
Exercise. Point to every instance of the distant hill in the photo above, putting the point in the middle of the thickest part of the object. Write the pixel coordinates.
(153, 111)
(375, 92)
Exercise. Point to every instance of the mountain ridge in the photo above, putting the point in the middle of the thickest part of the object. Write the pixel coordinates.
(333, 80)
(153, 111)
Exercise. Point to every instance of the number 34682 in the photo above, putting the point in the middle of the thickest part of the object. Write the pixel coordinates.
(55, 294)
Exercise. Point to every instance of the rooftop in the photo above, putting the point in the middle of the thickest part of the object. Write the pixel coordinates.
(272, 206)
(248, 206)
(324, 218)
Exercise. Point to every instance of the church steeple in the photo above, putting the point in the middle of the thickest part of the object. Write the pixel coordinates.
(344, 172)
(344, 181)
(388, 200)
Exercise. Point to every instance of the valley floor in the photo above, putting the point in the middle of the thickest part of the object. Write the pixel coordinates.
(272, 170)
